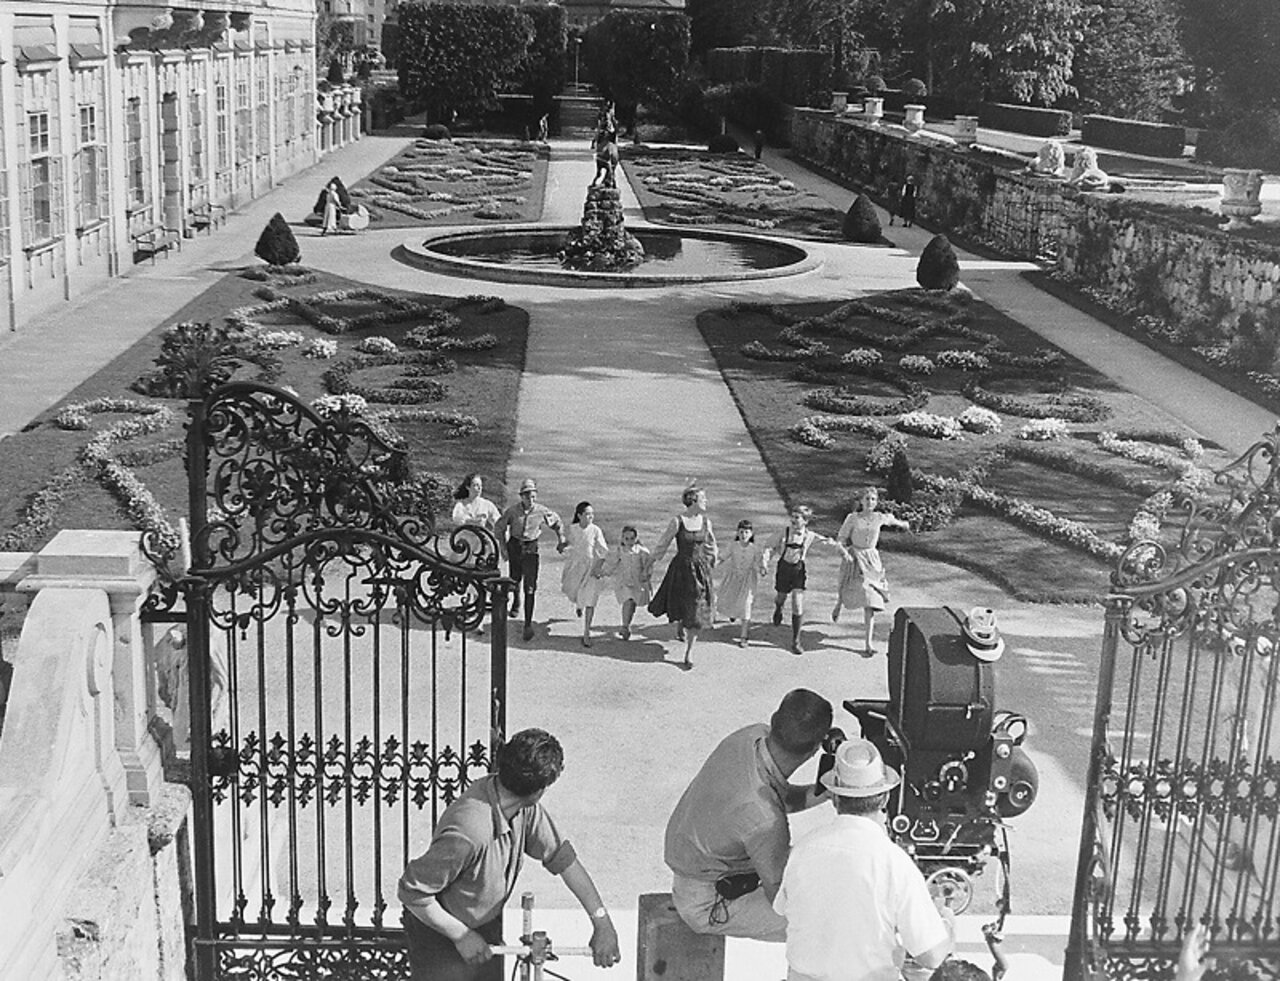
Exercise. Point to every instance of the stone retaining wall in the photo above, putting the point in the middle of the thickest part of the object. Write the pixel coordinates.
(1196, 278)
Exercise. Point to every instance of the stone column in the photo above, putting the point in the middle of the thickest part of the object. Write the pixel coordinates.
(839, 102)
(914, 117)
(873, 108)
(112, 561)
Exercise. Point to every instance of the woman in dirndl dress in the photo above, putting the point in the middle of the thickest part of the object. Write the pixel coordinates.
(686, 594)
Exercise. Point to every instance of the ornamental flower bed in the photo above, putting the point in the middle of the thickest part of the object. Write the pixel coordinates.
(107, 459)
(446, 181)
(737, 192)
(1045, 519)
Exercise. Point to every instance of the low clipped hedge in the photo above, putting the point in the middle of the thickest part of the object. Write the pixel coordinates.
(1133, 136)
(1024, 119)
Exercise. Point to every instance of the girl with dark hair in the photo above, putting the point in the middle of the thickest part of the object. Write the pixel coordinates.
(686, 594)
(740, 569)
(470, 507)
(580, 580)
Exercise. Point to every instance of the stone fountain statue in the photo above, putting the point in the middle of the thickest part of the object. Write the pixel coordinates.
(602, 243)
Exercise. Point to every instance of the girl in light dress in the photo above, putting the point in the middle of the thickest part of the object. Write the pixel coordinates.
(471, 507)
(581, 578)
(862, 579)
(631, 566)
(792, 548)
(740, 567)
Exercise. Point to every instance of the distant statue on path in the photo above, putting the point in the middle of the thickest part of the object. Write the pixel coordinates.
(606, 148)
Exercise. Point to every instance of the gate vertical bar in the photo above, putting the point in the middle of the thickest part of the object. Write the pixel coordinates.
(498, 667)
(1077, 943)
(197, 599)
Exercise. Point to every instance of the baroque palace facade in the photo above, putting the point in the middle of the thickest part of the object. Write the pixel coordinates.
(125, 128)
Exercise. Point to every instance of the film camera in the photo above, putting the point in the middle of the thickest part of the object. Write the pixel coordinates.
(962, 763)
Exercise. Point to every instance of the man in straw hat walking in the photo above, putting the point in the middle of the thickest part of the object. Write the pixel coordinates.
(520, 527)
(854, 901)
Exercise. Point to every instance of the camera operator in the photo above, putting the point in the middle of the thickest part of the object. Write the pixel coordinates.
(727, 841)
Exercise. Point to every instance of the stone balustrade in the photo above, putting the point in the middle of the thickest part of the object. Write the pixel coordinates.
(92, 840)
(1195, 277)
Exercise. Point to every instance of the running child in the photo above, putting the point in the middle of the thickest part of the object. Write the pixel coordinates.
(792, 547)
(741, 566)
(631, 566)
(862, 579)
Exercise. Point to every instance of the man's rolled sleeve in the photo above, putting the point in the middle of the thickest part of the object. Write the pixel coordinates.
(432, 872)
(545, 843)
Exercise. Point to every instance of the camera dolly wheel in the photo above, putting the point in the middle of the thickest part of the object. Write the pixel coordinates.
(951, 887)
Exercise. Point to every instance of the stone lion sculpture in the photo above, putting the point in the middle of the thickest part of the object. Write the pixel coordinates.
(1051, 161)
(1085, 172)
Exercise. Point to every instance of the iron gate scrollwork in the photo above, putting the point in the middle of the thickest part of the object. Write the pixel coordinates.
(1181, 820)
(339, 693)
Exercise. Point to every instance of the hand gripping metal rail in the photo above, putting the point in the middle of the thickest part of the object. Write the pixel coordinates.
(535, 949)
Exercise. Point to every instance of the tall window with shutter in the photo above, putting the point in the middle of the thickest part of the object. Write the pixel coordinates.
(263, 83)
(90, 167)
(222, 121)
(244, 114)
(40, 163)
(135, 154)
(196, 137)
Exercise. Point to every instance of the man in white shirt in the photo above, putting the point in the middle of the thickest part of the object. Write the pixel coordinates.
(855, 903)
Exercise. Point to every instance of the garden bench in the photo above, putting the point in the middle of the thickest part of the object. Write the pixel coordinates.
(207, 216)
(157, 238)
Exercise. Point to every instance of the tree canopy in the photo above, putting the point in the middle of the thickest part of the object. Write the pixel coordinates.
(636, 55)
(455, 56)
(1236, 49)
(1129, 58)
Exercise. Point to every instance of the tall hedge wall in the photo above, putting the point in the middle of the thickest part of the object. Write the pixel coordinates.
(454, 56)
(797, 77)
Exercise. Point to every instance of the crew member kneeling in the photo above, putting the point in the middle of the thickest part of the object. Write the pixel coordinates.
(727, 840)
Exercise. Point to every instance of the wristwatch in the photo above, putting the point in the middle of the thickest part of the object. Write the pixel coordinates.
(600, 914)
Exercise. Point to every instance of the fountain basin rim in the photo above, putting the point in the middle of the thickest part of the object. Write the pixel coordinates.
(418, 252)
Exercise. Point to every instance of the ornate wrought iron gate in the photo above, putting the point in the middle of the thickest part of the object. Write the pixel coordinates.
(1181, 819)
(339, 695)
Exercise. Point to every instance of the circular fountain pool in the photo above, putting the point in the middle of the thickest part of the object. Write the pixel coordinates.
(520, 254)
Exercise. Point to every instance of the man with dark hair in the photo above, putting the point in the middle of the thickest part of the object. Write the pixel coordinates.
(454, 892)
(854, 901)
(727, 840)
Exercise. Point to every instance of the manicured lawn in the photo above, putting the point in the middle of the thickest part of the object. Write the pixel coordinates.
(478, 378)
(1045, 519)
(734, 191)
(450, 182)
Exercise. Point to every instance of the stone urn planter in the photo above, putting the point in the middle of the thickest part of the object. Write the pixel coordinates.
(839, 102)
(914, 120)
(873, 108)
(966, 130)
(1241, 196)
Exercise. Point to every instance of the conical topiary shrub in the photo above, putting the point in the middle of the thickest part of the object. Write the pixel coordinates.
(938, 268)
(899, 485)
(861, 223)
(276, 245)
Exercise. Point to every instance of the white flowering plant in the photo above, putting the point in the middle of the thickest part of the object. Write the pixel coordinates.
(1043, 430)
(320, 349)
(962, 360)
(327, 406)
(934, 426)
(976, 419)
(376, 344)
(915, 364)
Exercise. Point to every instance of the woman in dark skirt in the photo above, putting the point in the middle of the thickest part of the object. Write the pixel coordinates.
(685, 595)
